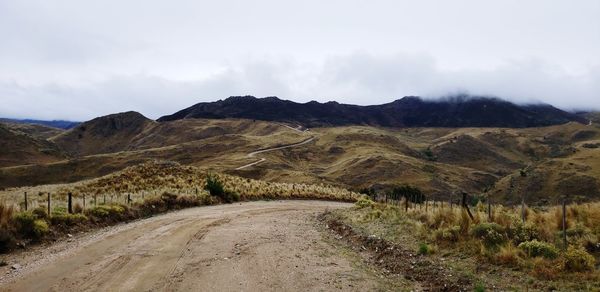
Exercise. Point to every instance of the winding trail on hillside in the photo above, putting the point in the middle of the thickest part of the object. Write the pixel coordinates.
(252, 154)
(251, 246)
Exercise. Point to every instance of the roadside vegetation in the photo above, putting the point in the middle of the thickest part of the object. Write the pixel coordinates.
(504, 252)
(138, 192)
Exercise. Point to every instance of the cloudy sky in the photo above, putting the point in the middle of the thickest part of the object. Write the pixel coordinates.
(81, 59)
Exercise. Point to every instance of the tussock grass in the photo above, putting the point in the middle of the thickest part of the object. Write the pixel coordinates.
(534, 245)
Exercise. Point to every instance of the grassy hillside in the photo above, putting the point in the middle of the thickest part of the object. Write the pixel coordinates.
(34, 130)
(18, 148)
(152, 178)
(540, 164)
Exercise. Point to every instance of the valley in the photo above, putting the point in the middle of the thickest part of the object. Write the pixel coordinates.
(543, 163)
(155, 175)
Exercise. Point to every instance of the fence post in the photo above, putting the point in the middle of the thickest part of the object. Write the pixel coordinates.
(406, 204)
(489, 210)
(48, 203)
(564, 222)
(70, 203)
(83, 201)
(95, 200)
(129, 199)
(104, 199)
(466, 206)
(26, 201)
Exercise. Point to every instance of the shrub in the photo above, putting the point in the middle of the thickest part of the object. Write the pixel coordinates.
(479, 287)
(535, 248)
(545, 269)
(423, 249)
(508, 255)
(442, 218)
(40, 212)
(373, 214)
(65, 219)
(364, 202)
(491, 234)
(112, 212)
(40, 228)
(24, 223)
(450, 234)
(576, 259)
(524, 232)
(214, 186)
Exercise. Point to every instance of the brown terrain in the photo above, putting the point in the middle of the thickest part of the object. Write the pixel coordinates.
(545, 163)
(257, 246)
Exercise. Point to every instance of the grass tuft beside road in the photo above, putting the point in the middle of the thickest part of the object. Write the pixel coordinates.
(504, 253)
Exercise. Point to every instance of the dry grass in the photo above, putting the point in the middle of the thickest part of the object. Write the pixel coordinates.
(533, 247)
(151, 179)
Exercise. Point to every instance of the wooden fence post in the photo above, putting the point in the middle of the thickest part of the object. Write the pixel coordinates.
(84, 202)
(95, 200)
(48, 203)
(104, 199)
(564, 222)
(406, 203)
(70, 203)
(466, 206)
(129, 199)
(26, 201)
(489, 210)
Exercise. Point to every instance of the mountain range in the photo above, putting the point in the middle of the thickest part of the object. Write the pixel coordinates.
(458, 111)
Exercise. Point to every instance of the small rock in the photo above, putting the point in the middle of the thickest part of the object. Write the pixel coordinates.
(15, 267)
(69, 235)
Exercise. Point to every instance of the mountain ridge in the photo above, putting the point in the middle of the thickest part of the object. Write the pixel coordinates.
(410, 111)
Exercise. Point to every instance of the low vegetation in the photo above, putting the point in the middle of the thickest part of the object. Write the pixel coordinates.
(508, 244)
(138, 192)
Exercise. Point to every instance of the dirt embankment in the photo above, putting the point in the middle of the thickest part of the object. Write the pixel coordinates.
(395, 259)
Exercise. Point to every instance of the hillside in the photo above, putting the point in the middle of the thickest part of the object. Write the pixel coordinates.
(462, 111)
(442, 161)
(107, 134)
(19, 148)
(60, 124)
(34, 130)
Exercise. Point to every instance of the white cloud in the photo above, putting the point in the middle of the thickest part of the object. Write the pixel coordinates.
(357, 78)
(80, 59)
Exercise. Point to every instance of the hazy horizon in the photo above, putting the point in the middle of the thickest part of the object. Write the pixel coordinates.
(74, 60)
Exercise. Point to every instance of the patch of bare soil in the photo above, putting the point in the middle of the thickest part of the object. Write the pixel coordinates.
(394, 259)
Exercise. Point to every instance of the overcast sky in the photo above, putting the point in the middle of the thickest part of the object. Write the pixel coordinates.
(81, 59)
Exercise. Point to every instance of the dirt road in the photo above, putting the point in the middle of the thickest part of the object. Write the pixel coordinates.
(252, 154)
(254, 246)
